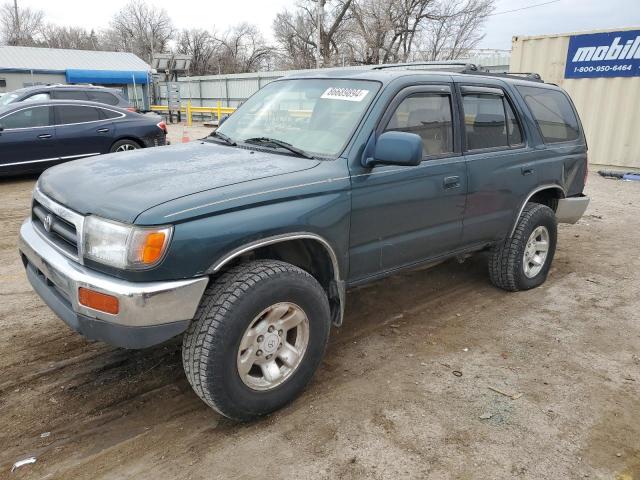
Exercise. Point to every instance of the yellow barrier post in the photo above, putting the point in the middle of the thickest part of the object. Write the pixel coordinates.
(219, 112)
(189, 113)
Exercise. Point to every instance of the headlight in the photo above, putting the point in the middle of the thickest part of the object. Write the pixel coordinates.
(124, 246)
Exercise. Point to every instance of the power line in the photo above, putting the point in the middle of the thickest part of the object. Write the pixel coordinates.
(523, 8)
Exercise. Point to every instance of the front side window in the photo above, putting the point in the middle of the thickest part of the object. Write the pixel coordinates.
(27, 118)
(427, 115)
(490, 122)
(69, 114)
(553, 113)
(315, 115)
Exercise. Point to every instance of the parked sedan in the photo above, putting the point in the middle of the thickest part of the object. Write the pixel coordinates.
(37, 135)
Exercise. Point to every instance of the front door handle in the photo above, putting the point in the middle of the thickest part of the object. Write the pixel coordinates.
(527, 170)
(451, 182)
(103, 130)
(44, 136)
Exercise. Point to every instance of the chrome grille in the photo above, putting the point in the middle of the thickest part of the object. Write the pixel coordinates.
(57, 224)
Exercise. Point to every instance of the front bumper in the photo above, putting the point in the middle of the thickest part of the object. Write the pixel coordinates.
(571, 209)
(149, 313)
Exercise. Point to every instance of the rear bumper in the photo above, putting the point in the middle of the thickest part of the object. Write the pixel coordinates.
(571, 209)
(149, 313)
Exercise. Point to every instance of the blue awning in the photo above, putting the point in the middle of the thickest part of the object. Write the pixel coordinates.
(107, 77)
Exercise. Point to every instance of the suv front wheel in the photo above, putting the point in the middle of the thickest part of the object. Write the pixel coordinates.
(522, 261)
(258, 336)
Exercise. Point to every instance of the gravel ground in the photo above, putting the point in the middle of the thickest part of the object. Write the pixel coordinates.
(435, 374)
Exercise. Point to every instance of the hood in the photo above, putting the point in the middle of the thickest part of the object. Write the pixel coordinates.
(120, 186)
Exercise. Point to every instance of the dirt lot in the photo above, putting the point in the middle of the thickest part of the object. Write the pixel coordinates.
(387, 403)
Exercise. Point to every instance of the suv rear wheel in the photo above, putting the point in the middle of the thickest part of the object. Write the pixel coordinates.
(258, 337)
(523, 261)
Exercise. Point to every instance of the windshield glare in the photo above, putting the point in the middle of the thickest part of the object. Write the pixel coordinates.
(317, 116)
(8, 98)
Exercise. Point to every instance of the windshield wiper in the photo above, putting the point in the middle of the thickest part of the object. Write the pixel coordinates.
(223, 137)
(281, 144)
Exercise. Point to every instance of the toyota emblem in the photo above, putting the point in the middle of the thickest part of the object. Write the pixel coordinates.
(48, 220)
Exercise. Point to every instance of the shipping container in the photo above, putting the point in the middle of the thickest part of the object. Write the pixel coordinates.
(601, 72)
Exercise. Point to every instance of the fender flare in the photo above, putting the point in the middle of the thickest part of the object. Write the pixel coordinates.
(550, 186)
(263, 242)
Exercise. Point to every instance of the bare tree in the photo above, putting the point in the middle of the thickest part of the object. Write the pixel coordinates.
(77, 38)
(140, 28)
(297, 33)
(403, 30)
(243, 49)
(20, 26)
(294, 35)
(456, 30)
(388, 30)
(202, 47)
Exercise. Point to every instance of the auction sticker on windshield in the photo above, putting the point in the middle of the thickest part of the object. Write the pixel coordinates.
(349, 94)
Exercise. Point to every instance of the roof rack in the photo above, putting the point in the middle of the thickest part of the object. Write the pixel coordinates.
(464, 68)
(459, 66)
(530, 76)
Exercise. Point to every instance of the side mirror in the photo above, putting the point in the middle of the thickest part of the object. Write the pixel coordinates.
(397, 148)
(222, 120)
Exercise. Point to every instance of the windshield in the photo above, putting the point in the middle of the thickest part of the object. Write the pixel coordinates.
(8, 98)
(316, 116)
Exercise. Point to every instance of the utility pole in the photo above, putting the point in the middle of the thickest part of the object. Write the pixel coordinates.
(320, 13)
(17, 21)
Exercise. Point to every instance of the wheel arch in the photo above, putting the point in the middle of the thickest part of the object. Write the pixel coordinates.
(546, 195)
(306, 250)
(130, 138)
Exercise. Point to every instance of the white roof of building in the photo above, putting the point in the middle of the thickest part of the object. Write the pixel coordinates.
(32, 58)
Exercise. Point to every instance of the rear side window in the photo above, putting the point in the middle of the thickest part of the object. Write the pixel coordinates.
(103, 97)
(427, 115)
(553, 113)
(27, 118)
(70, 95)
(67, 114)
(490, 122)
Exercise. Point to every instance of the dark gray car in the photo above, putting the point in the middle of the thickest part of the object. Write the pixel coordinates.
(37, 135)
(84, 93)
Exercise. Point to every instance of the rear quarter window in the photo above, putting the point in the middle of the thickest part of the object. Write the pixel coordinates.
(103, 97)
(553, 113)
(109, 113)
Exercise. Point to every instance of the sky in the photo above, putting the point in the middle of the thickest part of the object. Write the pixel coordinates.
(559, 16)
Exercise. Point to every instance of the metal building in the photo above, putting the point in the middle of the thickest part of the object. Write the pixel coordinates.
(601, 72)
(26, 66)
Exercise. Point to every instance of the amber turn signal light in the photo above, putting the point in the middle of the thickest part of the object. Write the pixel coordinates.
(98, 301)
(153, 247)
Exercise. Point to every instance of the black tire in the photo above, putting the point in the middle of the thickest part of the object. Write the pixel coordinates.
(230, 303)
(506, 265)
(126, 144)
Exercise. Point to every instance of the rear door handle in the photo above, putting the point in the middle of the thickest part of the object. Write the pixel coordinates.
(527, 170)
(44, 136)
(451, 182)
(103, 130)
